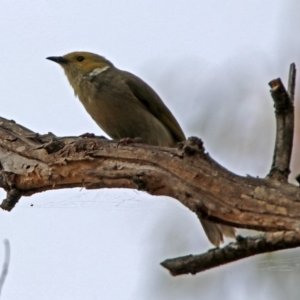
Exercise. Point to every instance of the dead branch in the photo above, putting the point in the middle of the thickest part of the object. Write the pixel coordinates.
(32, 163)
(284, 112)
(242, 248)
(186, 174)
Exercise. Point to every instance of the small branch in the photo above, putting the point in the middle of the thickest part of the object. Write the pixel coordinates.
(242, 248)
(5, 263)
(13, 195)
(292, 81)
(284, 112)
(12, 198)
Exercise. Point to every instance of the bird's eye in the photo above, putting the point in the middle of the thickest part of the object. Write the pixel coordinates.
(80, 58)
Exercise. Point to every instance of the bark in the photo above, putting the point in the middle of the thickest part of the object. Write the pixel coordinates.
(32, 163)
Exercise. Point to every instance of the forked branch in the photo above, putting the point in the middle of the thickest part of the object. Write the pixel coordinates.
(32, 163)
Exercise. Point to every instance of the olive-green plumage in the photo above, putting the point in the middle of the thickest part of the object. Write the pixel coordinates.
(120, 102)
(124, 106)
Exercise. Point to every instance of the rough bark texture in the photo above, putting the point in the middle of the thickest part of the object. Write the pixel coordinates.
(284, 111)
(32, 163)
(243, 247)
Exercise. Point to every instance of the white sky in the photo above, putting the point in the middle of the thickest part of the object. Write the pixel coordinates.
(211, 62)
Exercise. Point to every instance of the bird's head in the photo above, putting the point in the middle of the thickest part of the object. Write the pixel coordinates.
(78, 65)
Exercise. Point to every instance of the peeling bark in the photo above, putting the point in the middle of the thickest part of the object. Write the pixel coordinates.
(187, 174)
(31, 163)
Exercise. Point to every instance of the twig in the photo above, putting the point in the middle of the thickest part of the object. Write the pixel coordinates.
(242, 248)
(5, 263)
(12, 198)
(284, 112)
(292, 81)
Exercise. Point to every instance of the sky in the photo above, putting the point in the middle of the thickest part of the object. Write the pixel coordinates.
(210, 62)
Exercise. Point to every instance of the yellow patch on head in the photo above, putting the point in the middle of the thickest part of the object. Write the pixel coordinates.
(87, 61)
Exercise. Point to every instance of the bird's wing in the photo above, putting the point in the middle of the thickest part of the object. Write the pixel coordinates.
(148, 97)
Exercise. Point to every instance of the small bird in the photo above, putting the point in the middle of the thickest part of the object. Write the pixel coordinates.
(124, 106)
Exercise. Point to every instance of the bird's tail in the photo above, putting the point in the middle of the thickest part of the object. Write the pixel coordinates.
(215, 232)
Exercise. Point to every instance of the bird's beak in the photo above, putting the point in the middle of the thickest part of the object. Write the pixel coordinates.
(58, 59)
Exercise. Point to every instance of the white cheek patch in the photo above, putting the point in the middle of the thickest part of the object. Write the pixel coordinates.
(97, 71)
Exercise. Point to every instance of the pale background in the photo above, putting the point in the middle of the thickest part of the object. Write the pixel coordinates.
(211, 62)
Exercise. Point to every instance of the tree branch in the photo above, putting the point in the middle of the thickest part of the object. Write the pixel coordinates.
(32, 163)
(284, 112)
(242, 248)
(187, 174)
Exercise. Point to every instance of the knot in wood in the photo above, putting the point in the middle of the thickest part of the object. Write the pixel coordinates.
(192, 146)
(54, 146)
(141, 184)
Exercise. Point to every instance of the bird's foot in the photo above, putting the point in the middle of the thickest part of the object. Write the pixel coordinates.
(126, 141)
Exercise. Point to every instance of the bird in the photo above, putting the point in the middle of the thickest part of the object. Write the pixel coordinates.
(124, 106)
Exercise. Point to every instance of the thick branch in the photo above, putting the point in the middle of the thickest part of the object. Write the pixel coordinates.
(242, 248)
(33, 163)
